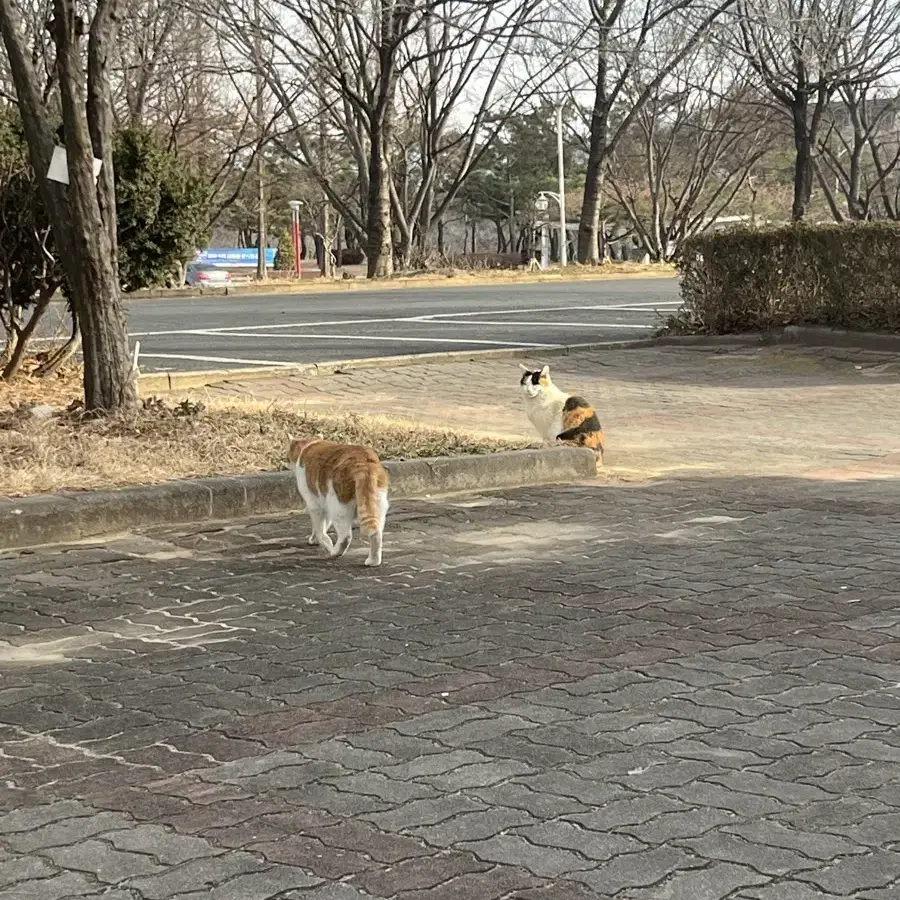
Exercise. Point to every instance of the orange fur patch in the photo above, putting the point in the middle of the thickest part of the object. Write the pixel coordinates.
(574, 417)
(346, 466)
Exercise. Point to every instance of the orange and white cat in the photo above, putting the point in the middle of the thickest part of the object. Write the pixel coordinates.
(558, 416)
(340, 485)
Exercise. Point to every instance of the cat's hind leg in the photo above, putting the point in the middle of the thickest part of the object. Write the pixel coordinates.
(343, 515)
(375, 538)
(320, 525)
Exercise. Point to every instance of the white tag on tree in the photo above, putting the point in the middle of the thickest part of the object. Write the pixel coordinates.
(59, 166)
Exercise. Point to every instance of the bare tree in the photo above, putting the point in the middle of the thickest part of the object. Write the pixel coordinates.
(805, 52)
(82, 214)
(382, 82)
(689, 152)
(597, 44)
(461, 55)
(859, 154)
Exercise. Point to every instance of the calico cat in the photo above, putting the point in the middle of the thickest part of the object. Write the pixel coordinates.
(341, 484)
(559, 416)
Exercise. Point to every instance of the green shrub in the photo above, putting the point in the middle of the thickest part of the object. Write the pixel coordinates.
(840, 276)
(285, 255)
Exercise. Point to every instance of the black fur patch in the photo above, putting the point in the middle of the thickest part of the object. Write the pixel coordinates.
(533, 377)
(574, 402)
(588, 426)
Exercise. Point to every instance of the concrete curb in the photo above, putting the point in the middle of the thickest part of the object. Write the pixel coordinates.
(66, 517)
(816, 336)
(174, 381)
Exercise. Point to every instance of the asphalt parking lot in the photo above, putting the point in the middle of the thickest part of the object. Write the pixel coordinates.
(234, 332)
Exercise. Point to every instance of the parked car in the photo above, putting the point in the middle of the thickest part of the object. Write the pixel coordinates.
(205, 275)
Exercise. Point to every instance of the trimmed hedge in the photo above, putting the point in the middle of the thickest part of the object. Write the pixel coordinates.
(839, 276)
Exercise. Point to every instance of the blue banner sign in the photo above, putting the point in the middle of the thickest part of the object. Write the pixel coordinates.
(234, 257)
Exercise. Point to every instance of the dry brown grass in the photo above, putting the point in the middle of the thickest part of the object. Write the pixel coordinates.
(57, 390)
(184, 439)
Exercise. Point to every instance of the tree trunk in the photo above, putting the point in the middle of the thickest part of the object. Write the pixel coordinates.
(803, 160)
(64, 353)
(379, 250)
(440, 237)
(92, 271)
(23, 335)
(592, 202)
(82, 216)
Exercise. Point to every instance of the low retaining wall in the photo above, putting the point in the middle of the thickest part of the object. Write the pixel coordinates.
(65, 517)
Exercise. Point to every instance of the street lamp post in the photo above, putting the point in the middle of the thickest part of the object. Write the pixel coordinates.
(295, 235)
(563, 238)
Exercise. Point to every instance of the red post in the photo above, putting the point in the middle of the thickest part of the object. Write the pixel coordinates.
(295, 236)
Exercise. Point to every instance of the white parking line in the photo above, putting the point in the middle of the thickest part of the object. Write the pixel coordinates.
(220, 359)
(433, 318)
(481, 322)
(368, 337)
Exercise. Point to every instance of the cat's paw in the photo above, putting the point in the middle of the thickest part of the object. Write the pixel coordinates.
(311, 540)
(372, 562)
(341, 547)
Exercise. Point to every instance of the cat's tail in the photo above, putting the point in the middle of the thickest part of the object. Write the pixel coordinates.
(371, 498)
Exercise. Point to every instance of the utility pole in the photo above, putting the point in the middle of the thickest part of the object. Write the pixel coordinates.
(563, 241)
(262, 241)
(326, 267)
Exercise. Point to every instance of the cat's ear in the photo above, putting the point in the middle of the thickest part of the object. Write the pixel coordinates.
(545, 372)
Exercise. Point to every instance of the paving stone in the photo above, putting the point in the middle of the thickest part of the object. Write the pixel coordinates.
(540, 804)
(103, 862)
(764, 859)
(424, 812)
(672, 826)
(629, 811)
(594, 845)
(513, 850)
(63, 885)
(377, 785)
(354, 834)
(715, 882)
(15, 870)
(816, 846)
(418, 874)
(478, 775)
(308, 852)
(64, 832)
(169, 848)
(789, 890)
(267, 885)
(38, 816)
(432, 764)
(195, 876)
(636, 870)
(329, 892)
(878, 869)
(877, 830)
(499, 882)
(472, 826)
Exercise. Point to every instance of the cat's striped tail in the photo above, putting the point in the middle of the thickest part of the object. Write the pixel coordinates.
(369, 481)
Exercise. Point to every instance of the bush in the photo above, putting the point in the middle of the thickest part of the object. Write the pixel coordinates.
(285, 255)
(162, 208)
(840, 276)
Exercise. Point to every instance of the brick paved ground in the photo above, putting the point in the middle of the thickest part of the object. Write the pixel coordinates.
(675, 691)
(740, 411)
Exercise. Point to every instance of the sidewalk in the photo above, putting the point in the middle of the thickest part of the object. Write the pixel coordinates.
(825, 414)
(674, 691)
